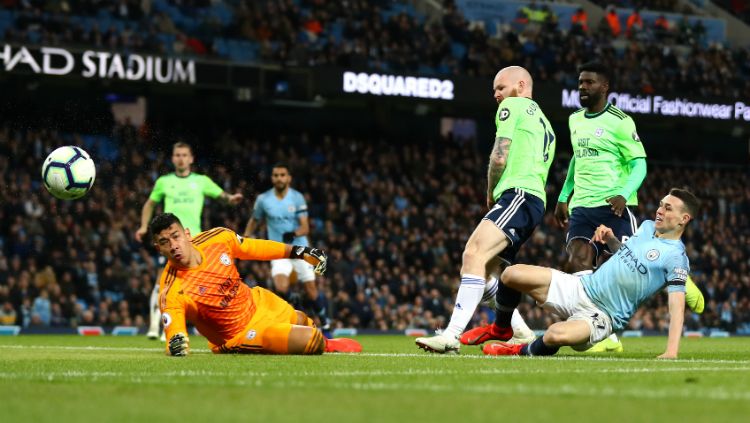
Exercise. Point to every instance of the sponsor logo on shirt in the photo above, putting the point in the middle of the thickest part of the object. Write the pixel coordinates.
(627, 256)
(680, 274)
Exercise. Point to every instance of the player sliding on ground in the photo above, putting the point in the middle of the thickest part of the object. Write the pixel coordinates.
(200, 284)
(595, 305)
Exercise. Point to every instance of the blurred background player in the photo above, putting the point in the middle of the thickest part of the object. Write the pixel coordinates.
(284, 210)
(516, 179)
(201, 284)
(183, 192)
(595, 305)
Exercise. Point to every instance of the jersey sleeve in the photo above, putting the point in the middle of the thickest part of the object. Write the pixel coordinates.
(210, 188)
(628, 141)
(255, 249)
(300, 206)
(506, 119)
(157, 194)
(676, 269)
(173, 307)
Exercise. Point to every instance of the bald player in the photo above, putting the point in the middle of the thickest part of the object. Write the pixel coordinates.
(516, 178)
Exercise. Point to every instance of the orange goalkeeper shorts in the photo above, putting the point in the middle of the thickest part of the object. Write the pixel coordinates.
(268, 329)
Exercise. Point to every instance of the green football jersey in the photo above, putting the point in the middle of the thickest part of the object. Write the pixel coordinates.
(531, 150)
(603, 144)
(184, 196)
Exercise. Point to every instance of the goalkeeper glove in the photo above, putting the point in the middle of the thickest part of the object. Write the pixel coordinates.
(694, 296)
(288, 237)
(178, 345)
(314, 256)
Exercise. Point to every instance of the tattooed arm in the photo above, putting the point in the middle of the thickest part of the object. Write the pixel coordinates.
(498, 161)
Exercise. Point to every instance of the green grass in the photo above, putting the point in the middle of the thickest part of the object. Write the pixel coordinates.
(113, 379)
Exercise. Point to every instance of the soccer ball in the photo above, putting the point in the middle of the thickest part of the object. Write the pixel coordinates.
(68, 173)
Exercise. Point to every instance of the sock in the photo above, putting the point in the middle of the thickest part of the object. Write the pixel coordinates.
(583, 272)
(319, 306)
(507, 301)
(469, 294)
(155, 313)
(518, 324)
(538, 347)
(490, 290)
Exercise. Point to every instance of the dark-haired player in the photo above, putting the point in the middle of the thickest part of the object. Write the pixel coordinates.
(284, 210)
(200, 284)
(593, 306)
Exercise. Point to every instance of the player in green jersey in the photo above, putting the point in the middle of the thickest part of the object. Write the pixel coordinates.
(183, 193)
(607, 168)
(516, 177)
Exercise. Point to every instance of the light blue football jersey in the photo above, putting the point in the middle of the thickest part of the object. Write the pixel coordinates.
(281, 215)
(642, 266)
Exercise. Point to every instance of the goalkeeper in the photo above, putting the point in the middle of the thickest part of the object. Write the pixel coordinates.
(200, 284)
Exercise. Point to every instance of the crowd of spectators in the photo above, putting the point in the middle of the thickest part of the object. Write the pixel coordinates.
(673, 6)
(739, 8)
(665, 56)
(393, 218)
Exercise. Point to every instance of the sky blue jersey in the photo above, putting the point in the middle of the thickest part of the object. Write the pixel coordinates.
(643, 265)
(281, 215)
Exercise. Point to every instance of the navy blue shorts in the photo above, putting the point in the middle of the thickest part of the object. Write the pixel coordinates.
(517, 213)
(585, 220)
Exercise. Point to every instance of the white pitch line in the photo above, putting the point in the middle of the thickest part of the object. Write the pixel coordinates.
(582, 357)
(73, 374)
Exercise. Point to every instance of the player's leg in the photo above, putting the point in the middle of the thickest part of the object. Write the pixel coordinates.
(563, 295)
(280, 271)
(581, 256)
(483, 245)
(313, 298)
(154, 309)
(522, 333)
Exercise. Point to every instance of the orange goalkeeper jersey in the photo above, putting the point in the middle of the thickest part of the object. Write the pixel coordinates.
(212, 296)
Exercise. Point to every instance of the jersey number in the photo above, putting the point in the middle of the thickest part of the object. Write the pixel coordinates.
(549, 138)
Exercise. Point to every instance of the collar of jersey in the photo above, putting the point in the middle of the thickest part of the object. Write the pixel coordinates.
(591, 116)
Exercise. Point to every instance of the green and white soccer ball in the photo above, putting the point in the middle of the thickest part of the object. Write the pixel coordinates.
(68, 173)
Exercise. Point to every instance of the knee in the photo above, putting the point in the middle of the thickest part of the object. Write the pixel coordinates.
(510, 275)
(471, 254)
(556, 336)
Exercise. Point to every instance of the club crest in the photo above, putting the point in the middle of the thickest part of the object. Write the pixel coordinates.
(225, 260)
(652, 255)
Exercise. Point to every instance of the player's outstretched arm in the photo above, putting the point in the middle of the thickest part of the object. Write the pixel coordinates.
(146, 212)
(314, 256)
(676, 320)
(252, 225)
(604, 235)
(232, 199)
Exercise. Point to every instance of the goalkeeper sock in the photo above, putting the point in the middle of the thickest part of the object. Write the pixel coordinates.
(469, 294)
(155, 313)
(538, 347)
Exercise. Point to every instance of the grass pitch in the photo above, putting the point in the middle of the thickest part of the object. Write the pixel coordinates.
(127, 379)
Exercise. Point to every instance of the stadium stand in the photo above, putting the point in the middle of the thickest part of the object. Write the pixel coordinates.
(392, 36)
(59, 271)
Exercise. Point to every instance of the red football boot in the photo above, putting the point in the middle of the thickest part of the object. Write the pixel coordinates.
(483, 334)
(343, 345)
(502, 348)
